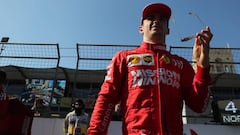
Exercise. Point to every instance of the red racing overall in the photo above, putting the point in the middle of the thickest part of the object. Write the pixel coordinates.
(151, 85)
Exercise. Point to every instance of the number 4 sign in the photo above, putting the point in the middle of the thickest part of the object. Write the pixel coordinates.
(231, 107)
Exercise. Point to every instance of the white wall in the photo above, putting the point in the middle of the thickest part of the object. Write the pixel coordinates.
(54, 126)
(47, 126)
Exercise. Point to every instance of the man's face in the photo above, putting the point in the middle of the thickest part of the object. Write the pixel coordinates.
(78, 105)
(154, 25)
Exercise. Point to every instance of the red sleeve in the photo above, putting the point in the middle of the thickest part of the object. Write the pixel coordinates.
(196, 93)
(107, 97)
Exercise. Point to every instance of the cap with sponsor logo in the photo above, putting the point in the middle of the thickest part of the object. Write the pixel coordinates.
(157, 8)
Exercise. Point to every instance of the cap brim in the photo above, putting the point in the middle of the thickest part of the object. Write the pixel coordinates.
(157, 8)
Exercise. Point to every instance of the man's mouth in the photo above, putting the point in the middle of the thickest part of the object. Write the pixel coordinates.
(155, 28)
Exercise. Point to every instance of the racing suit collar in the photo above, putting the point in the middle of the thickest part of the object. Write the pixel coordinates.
(151, 46)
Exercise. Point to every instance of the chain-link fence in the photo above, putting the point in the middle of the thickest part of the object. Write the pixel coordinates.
(221, 59)
(97, 56)
(29, 55)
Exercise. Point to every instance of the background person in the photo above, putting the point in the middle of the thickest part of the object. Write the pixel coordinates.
(151, 84)
(39, 108)
(15, 117)
(76, 122)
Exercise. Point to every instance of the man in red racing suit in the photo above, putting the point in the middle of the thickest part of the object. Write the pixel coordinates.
(151, 85)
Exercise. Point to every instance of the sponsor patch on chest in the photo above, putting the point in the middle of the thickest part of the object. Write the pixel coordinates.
(140, 59)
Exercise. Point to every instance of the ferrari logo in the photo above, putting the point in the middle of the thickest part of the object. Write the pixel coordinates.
(165, 58)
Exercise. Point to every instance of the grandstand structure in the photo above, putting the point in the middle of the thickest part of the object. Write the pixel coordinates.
(33, 71)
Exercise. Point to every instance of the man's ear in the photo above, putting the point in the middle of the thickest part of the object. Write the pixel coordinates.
(140, 29)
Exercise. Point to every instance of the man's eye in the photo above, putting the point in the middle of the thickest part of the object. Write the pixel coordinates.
(150, 18)
(160, 18)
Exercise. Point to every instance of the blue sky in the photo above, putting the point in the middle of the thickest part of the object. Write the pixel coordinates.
(68, 22)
